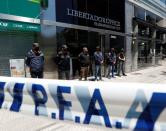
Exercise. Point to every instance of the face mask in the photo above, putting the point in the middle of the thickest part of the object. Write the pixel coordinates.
(36, 50)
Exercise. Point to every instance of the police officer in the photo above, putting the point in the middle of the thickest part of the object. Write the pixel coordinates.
(84, 60)
(63, 62)
(35, 61)
(98, 57)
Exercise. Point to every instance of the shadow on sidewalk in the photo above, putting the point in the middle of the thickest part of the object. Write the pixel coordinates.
(163, 73)
(136, 73)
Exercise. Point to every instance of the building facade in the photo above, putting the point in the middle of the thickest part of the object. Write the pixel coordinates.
(19, 28)
(80, 23)
(146, 22)
(138, 26)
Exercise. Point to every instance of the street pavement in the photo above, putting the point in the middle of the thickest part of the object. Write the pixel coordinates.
(11, 121)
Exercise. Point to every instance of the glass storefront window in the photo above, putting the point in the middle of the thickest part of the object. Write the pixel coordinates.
(164, 51)
(144, 31)
(158, 48)
(49, 12)
(163, 1)
(158, 52)
(144, 54)
(77, 39)
(158, 19)
(160, 44)
(146, 15)
(116, 42)
(159, 35)
(150, 17)
(139, 13)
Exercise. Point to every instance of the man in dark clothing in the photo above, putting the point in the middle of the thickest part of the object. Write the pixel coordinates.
(84, 60)
(35, 61)
(111, 59)
(121, 62)
(98, 57)
(63, 61)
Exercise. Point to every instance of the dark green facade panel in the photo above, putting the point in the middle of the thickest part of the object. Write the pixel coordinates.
(25, 8)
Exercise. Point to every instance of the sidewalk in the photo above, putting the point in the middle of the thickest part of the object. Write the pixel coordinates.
(155, 74)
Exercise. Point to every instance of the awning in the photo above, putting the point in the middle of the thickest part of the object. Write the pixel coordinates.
(161, 29)
(145, 23)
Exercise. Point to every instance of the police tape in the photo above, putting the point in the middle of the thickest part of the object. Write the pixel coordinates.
(131, 106)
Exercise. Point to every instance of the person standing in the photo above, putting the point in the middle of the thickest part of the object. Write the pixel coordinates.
(35, 61)
(111, 59)
(84, 60)
(121, 63)
(98, 57)
(63, 62)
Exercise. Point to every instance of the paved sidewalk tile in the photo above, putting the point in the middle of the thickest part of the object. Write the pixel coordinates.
(155, 74)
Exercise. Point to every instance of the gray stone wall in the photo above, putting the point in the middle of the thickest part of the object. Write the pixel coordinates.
(48, 39)
(129, 12)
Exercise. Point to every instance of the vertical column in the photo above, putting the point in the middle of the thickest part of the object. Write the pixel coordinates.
(107, 42)
(163, 45)
(107, 49)
(164, 38)
(48, 38)
(135, 47)
(153, 47)
(128, 47)
(129, 14)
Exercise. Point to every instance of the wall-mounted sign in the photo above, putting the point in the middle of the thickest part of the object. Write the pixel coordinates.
(13, 25)
(17, 67)
(104, 14)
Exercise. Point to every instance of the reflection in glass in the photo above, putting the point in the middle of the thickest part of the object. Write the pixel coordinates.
(144, 54)
(139, 13)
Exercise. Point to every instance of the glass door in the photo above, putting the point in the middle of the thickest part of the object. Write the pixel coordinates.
(144, 54)
(76, 40)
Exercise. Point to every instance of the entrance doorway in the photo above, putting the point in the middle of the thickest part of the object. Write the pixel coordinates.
(144, 54)
(77, 39)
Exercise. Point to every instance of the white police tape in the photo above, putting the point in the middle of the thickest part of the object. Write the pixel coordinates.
(114, 105)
